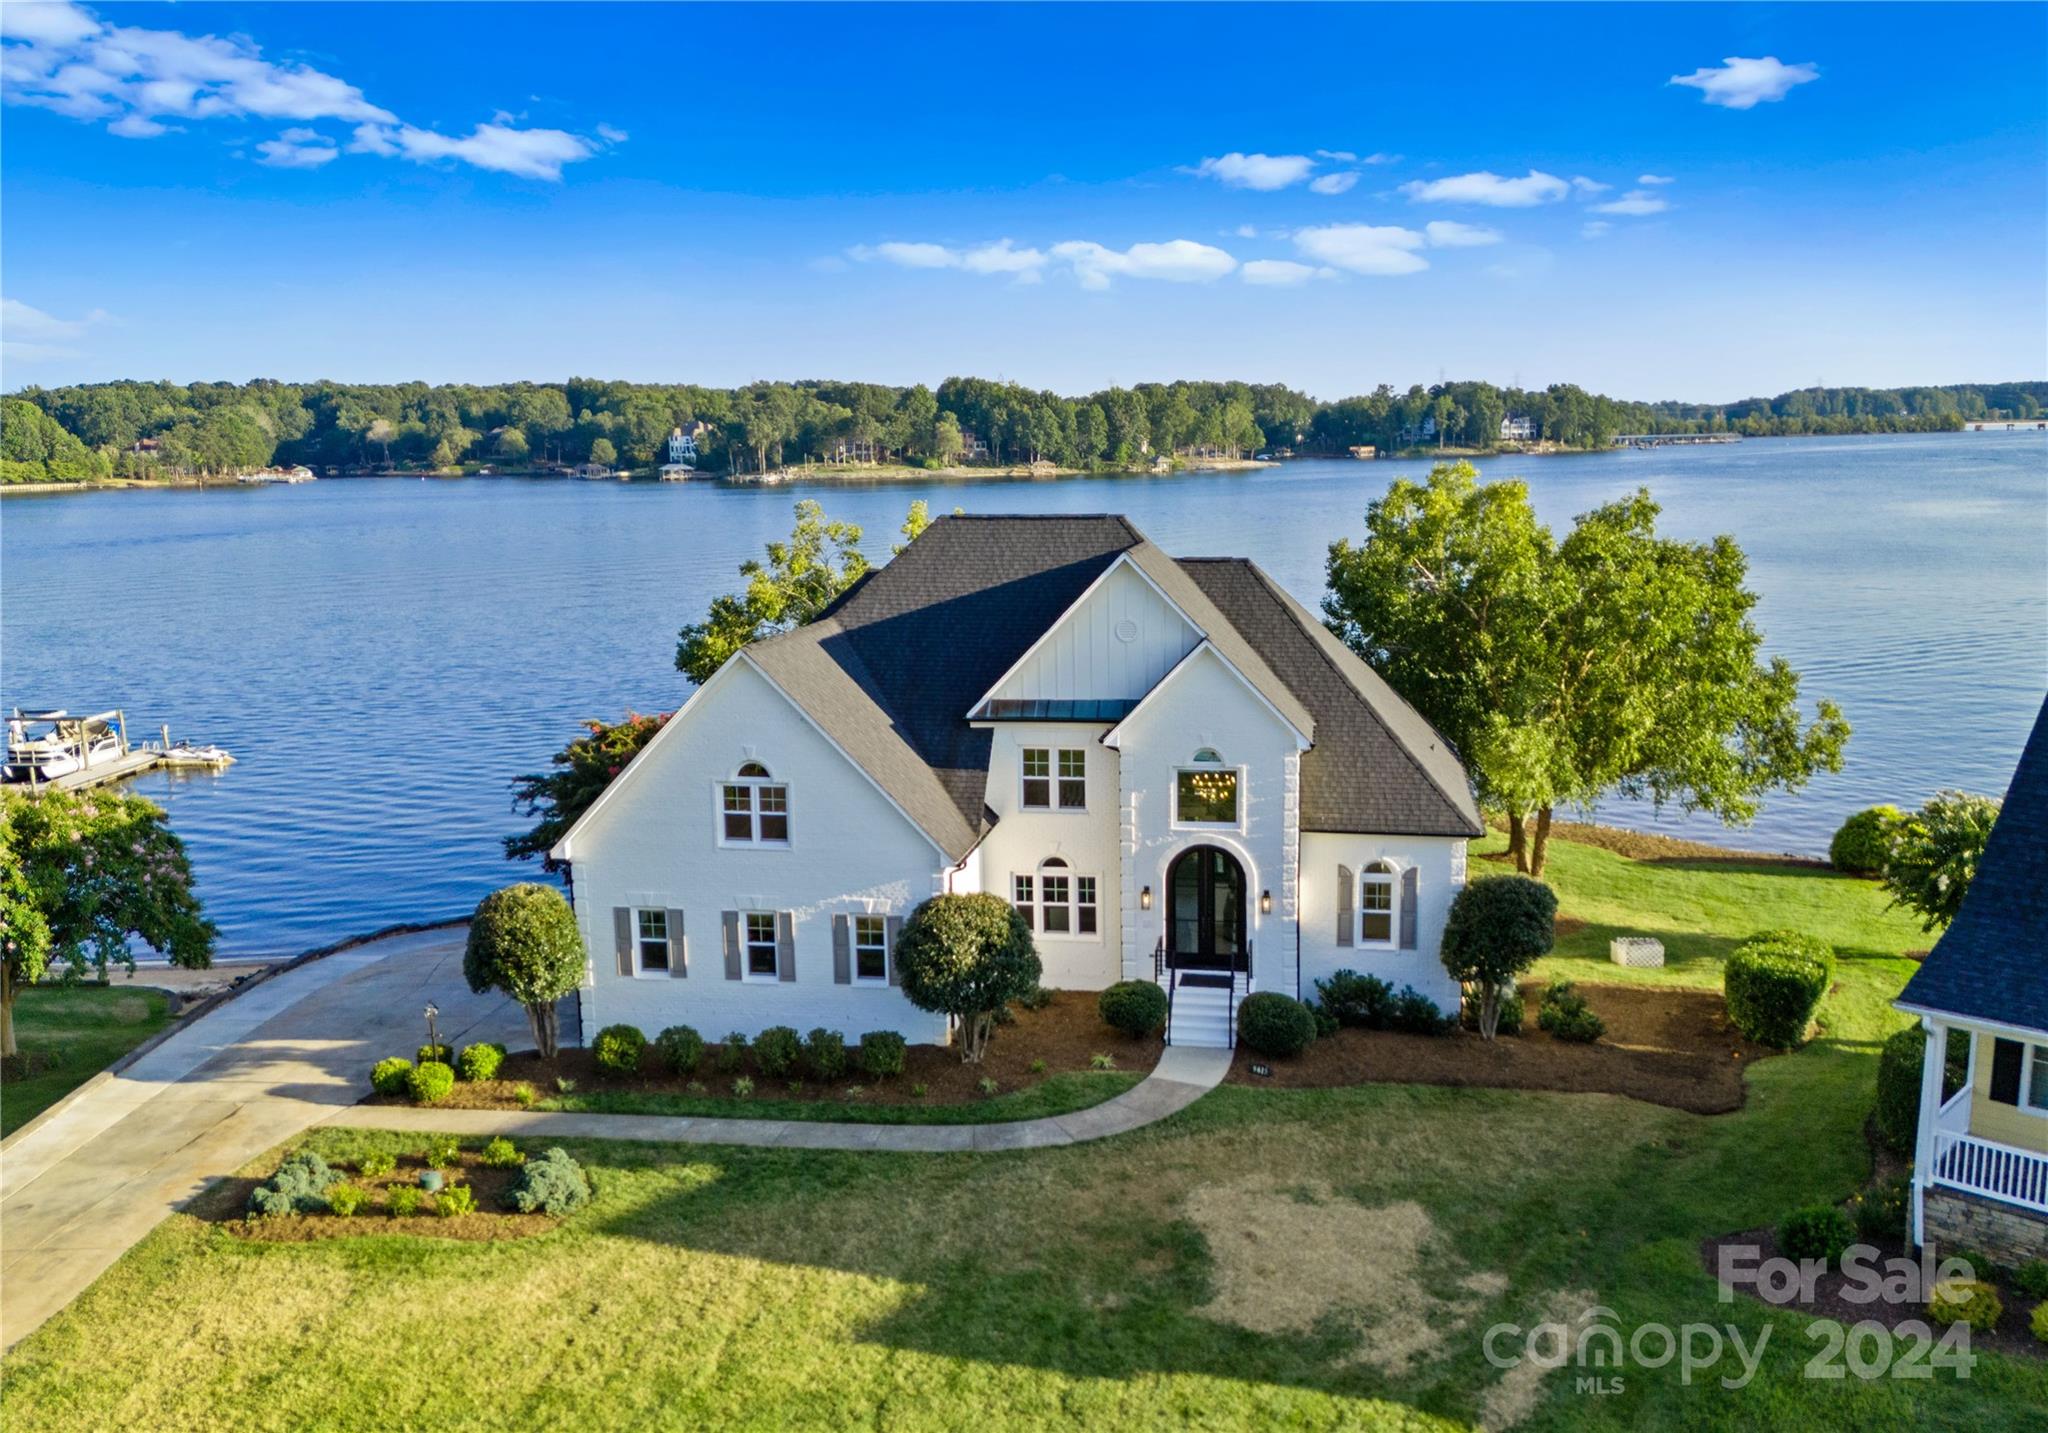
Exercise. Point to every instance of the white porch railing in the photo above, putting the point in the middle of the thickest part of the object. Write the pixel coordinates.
(2000, 1171)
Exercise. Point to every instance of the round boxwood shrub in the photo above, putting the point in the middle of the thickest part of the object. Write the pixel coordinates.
(388, 1077)
(679, 1048)
(480, 1061)
(430, 1082)
(1819, 1231)
(1273, 1024)
(881, 1053)
(1865, 840)
(1965, 1301)
(1773, 983)
(618, 1049)
(1136, 1007)
(825, 1053)
(775, 1051)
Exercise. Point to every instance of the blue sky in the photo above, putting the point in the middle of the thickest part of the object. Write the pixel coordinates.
(1696, 201)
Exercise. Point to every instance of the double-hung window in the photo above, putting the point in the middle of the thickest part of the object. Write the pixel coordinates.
(1055, 889)
(651, 941)
(1065, 904)
(760, 951)
(871, 949)
(1376, 904)
(1045, 792)
(2036, 1092)
(1020, 897)
(754, 808)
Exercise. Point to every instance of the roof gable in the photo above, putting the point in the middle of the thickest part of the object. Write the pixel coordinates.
(1107, 650)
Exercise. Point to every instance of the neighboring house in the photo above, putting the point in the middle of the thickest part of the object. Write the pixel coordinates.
(1980, 1173)
(972, 448)
(682, 446)
(855, 450)
(1515, 428)
(1169, 766)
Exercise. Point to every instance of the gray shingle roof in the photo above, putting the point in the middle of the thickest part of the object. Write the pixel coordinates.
(892, 668)
(1992, 961)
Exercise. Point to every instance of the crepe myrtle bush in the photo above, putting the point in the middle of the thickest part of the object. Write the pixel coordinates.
(967, 956)
(1498, 928)
(523, 941)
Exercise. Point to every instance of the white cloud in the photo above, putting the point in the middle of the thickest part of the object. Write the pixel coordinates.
(1256, 171)
(1247, 231)
(1364, 248)
(1582, 186)
(1341, 156)
(1181, 261)
(297, 149)
(1450, 234)
(1283, 272)
(612, 134)
(1336, 183)
(1594, 228)
(29, 333)
(1744, 84)
(1655, 179)
(1486, 187)
(63, 58)
(1636, 201)
(1001, 257)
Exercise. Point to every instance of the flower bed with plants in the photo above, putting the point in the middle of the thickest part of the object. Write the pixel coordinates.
(1053, 1053)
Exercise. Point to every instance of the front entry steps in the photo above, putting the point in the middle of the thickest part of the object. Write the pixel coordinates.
(1204, 1006)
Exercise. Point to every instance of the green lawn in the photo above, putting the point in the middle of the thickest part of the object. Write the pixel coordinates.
(1114, 1284)
(67, 1035)
(1060, 1094)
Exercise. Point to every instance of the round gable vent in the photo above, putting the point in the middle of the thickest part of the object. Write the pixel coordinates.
(1127, 631)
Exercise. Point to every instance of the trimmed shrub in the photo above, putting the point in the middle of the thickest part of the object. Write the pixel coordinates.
(1773, 983)
(2031, 1279)
(403, 1199)
(1566, 1015)
(299, 1187)
(1136, 1007)
(1276, 1025)
(1880, 1213)
(1326, 1023)
(1898, 1082)
(551, 1184)
(439, 1054)
(1864, 843)
(1965, 1301)
(680, 1049)
(480, 1061)
(376, 1164)
(523, 941)
(967, 956)
(454, 1201)
(732, 1054)
(1509, 1022)
(1362, 1002)
(882, 1053)
(430, 1082)
(501, 1153)
(775, 1051)
(825, 1053)
(1414, 1013)
(346, 1200)
(618, 1049)
(1498, 927)
(388, 1077)
(1819, 1231)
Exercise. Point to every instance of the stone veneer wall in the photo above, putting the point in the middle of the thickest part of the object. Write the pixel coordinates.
(1959, 1222)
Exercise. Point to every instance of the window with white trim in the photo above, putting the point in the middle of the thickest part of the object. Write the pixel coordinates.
(753, 808)
(761, 947)
(1040, 789)
(1066, 903)
(1376, 904)
(2034, 1088)
(871, 949)
(1205, 794)
(650, 946)
(1055, 890)
(1020, 897)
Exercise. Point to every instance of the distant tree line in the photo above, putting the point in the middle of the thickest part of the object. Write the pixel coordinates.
(137, 429)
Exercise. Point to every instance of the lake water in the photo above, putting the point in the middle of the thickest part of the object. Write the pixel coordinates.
(383, 655)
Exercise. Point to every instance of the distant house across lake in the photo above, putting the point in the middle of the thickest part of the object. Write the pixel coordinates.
(1517, 428)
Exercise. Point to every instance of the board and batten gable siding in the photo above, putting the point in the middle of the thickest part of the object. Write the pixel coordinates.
(1205, 704)
(1438, 864)
(656, 843)
(1116, 644)
(1997, 1120)
(1085, 840)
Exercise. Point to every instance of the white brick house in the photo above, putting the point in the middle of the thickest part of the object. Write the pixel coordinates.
(1170, 766)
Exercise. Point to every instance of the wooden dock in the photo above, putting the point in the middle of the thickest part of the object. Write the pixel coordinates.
(129, 761)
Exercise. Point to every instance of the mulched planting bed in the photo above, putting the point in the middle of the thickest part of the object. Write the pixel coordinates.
(1066, 1035)
(227, 1204)
(1667, 1046)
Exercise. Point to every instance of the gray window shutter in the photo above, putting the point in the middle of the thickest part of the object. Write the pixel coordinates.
(842, 950)
(622, 930)
(1346, 893)
(1411, 880)
(785, 945)
(895, 929)
(2006, 1058)
(731, 922)
(678, 946)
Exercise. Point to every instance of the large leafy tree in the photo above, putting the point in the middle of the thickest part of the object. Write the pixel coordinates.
(1934, 855)
(80, 875)
(799, 579)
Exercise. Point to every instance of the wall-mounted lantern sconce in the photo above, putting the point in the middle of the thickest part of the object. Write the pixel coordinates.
(1265, 903)
(1145, 899)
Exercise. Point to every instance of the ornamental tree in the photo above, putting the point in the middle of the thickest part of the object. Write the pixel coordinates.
(967, 956)
(1934, 855)
(80, 875)
(523, 941)
(1498, 928)
(583, 769)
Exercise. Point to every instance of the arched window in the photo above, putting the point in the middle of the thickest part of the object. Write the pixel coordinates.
(753, 808)
(1207, 756)
(1205, 791)
(1055, 901)
(1376, 904)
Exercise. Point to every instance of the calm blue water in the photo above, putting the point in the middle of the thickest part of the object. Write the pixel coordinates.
(383, 655)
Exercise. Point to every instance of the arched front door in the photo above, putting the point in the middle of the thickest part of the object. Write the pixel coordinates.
(1205, 910)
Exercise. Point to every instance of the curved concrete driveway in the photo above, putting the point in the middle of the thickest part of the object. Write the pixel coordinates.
(82, 1186)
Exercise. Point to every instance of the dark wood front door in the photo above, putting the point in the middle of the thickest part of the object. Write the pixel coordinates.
(1205, 914)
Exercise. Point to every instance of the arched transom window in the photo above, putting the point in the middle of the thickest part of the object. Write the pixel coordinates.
(1376, 904)
(753, 808)
(1205, 791)
(1055, 901)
